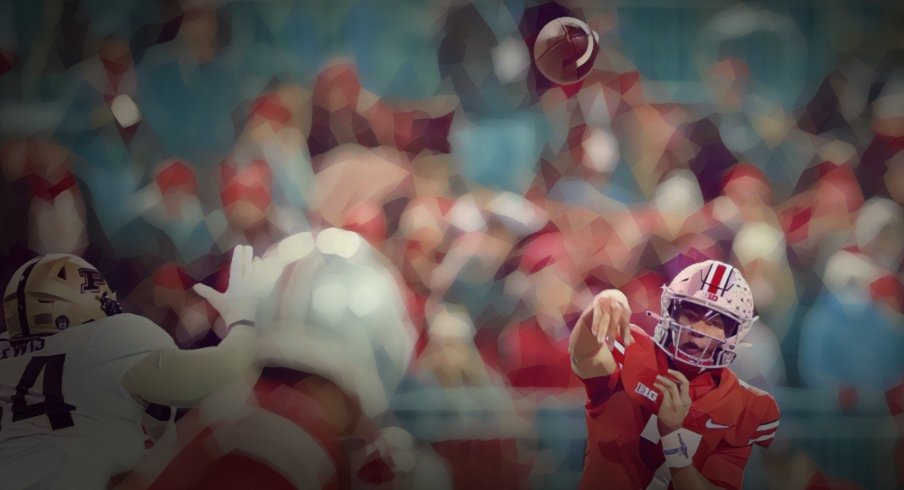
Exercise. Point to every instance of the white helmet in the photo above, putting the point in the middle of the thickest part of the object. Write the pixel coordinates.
(708, 290)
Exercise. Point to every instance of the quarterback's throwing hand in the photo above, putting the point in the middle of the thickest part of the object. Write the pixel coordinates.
(610, 319)
(239, 302)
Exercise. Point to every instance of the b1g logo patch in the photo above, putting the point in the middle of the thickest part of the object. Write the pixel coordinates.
(91, 280)
(645, 391)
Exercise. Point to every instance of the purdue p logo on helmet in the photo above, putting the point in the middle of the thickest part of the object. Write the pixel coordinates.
(54, 292)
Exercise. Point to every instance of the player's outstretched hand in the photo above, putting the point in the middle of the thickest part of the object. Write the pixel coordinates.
(239, 302)
(676, 400)
(611, 318)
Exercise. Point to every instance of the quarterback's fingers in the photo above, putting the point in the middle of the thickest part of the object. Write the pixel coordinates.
(603, 324)
(614, 318)
(622, 325)
(671, 386)
(626, 327)
(629, 337)
(594, 320)
(667, 400)
(206, 292)
(606, 327)
(683, 384)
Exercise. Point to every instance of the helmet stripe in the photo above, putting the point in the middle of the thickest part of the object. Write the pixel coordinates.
(20, 298)
(715, 277)
(723, 286)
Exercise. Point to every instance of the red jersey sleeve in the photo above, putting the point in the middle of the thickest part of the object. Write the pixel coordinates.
(765, 415)
(766, 432)
(601, 388)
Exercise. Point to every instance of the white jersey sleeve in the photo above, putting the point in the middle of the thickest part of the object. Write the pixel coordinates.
(121, 342)
(182, 378)
(127, 336)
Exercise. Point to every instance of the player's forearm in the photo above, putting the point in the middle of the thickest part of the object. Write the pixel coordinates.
(586, 352)
(582, 344)
(680, 460)
(183, 378)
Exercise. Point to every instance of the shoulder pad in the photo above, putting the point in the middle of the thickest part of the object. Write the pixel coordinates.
(128, 334)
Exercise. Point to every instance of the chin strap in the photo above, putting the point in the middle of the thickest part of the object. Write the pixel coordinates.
(677, 354)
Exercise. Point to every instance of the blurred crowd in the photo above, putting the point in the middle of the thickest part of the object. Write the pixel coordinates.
(152, 152)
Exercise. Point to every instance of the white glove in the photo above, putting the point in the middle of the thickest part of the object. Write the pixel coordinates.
(238, 305)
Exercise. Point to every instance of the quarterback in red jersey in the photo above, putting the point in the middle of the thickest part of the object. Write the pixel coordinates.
(666, 411)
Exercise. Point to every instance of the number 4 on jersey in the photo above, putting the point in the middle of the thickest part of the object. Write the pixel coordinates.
(54, 406)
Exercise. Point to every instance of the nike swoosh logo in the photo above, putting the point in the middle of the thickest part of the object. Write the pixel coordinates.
(712, 425)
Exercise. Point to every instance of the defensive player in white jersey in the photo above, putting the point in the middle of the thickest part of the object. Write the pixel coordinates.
(339, 342)
(77, 374)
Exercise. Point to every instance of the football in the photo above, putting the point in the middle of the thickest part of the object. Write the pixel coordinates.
(565, 50)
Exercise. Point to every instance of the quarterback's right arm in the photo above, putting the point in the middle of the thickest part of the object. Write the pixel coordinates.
(593, 337)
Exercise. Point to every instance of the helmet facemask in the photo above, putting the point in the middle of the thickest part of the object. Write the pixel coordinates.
(109, 305)
(705, 351)
(684, 343)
